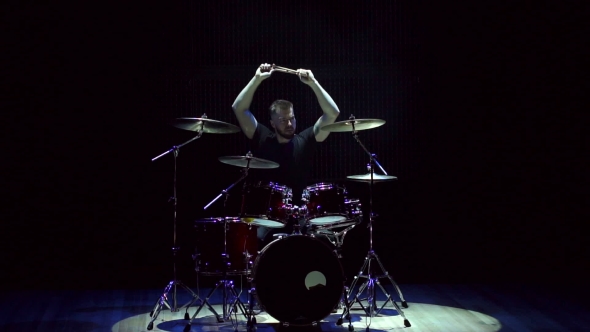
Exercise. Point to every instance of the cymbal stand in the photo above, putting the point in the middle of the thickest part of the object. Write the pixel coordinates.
(368, 271)
(226, 285)
(164, 299)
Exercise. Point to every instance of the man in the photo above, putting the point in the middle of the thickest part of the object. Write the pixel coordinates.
(293, 152)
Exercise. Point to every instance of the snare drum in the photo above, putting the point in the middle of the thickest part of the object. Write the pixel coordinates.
(298, 280)
(326, 203)
(241, 246)
(266, 204)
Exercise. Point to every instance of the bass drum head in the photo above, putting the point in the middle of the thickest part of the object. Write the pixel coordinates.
(298, 280)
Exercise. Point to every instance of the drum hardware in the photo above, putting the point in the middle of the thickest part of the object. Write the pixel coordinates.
(297, 215)
(200, 126)
(336, 238)
(225, 192)
(298, 211)
(251, 323)
(296, 228)
(337, 235)
(228, 306)
(368, 271)
(226, 285)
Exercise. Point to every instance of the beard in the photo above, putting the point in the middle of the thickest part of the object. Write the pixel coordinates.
(286, 134)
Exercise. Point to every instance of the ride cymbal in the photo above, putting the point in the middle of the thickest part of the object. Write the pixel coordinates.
(367, 177)
(248, 161)
(208, 126)
(359, 124)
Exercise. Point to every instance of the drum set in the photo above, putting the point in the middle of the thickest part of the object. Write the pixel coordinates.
(298, 277)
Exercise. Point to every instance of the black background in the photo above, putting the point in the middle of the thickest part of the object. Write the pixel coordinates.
(484, 115)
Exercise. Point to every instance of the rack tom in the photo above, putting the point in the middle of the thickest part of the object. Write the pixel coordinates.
(266, 204)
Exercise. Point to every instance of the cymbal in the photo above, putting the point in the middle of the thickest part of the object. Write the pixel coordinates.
(359, 124)
(242, 161)
(219, 220)
(209, 126)
(367, 177)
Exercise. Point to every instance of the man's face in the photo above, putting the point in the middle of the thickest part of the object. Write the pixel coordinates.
(283, 121)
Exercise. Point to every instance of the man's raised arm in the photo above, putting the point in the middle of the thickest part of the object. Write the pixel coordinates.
(328, 105)
(241, 105)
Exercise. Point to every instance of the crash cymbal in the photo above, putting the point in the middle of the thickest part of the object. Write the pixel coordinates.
(359, 124)
(242, 161)
(209, 126)
(367, 177)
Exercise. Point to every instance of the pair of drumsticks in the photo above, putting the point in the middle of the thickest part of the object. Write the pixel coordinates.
(287, 70)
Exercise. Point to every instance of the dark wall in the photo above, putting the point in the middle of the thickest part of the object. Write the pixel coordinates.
(481, 129)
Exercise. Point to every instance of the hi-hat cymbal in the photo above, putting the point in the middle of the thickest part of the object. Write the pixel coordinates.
(359, 124)
(209, 126)
(367, 177)
(242, 161)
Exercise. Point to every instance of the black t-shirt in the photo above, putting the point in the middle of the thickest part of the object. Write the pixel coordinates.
(294, 159)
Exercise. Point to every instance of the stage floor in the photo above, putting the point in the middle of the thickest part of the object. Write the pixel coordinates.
(452, 308)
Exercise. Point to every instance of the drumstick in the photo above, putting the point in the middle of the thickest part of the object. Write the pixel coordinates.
(287, 70)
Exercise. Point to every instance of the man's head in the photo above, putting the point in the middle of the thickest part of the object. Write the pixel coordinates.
(282, 118)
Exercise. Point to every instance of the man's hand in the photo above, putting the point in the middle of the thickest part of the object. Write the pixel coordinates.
(306, 76)
(264, 71)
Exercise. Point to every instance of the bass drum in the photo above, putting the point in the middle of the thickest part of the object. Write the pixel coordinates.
(298, 280)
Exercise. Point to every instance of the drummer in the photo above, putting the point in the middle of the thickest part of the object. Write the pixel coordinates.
(281, 143)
